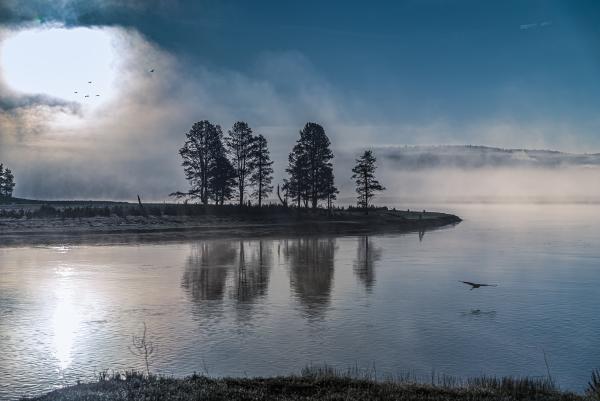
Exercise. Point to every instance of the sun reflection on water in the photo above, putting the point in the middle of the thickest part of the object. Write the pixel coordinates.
(66, 318)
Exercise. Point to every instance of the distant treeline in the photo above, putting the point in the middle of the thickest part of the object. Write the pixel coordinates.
(123, 211)
(238, 167)
(220, 168)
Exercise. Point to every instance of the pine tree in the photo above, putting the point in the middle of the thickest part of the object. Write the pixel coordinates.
(262, 172)
(296, 186)
(240, 143)
(366, 183)
(310, 167)
(201, 153)
(222, 182)
(1, 180)
(330, 190)
(7, 182)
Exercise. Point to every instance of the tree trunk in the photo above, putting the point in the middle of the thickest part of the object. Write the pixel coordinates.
(260, 185)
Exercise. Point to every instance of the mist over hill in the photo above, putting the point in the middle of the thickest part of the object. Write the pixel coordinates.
(450, 173)
(476, 157)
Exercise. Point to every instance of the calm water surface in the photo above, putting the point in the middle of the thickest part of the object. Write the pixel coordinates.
(391, 303)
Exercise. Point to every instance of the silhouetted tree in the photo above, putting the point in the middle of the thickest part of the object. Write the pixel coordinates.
(223, 180)
(366, 183)
(7, 182)
(240, 144)
(330, 191)
(310, 168)
(1, 180)
(297, 184)
(262, 172)
(202, 156)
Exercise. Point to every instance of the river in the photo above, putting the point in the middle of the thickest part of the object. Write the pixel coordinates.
(387, 304)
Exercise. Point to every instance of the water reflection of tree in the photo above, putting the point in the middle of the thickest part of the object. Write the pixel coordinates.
(253, 269)
(366, 257)
(206, 270)
(311, 262)
(240, 269)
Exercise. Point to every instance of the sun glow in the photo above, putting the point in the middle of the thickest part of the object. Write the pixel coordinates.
(74, 65)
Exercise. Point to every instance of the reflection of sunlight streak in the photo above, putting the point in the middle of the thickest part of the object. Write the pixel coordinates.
(64, 270)
(65, 319)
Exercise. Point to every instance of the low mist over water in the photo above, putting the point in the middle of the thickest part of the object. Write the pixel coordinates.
(242, 307)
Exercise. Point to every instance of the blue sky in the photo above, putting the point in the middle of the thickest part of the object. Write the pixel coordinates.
(520, 74)
(408, 60)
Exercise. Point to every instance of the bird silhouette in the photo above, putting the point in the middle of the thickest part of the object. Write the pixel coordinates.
(89, 82)
(477, 285)
(75, 91)
(151, 70)
(87, 96)
(97, 95)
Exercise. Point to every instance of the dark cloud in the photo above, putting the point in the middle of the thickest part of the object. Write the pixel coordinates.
(73, 12)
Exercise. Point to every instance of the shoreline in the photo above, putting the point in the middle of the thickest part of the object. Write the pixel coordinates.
(320, 385)
(128, 229)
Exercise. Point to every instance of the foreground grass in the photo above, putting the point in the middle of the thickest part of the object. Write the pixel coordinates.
(318, 385)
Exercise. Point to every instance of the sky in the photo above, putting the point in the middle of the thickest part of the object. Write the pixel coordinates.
(512, 74)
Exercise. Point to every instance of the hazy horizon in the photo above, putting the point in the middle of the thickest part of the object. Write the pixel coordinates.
(404, 73)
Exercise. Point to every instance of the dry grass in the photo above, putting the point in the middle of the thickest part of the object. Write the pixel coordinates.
(314, 384)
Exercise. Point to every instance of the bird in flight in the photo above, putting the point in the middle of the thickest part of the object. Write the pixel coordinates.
(89, 82)
(75, 91)
(87, 96)
(97, 95)
(151, 70)
(477, 285)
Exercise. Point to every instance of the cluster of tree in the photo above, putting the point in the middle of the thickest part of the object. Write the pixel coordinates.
(7, 182)
(220, 169)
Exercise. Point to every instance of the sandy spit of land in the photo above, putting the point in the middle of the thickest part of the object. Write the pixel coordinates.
(128, 229)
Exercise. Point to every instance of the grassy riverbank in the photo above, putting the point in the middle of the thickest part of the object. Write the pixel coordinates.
(24, 224)
(320, 386)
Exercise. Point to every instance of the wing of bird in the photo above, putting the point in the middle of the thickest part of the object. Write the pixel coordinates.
(489, 285)
(469, 283)
(152, 70)
(89, 82)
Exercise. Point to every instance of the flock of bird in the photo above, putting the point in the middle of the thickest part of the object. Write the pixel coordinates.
(97, 95)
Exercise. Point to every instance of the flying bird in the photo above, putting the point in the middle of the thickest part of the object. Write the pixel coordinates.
(87, 96)
(151, 70)
(89, 82)
(97, 95)
(75, 91)
(477, 285)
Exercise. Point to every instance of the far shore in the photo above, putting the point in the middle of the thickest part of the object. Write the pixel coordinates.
(48, 223)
